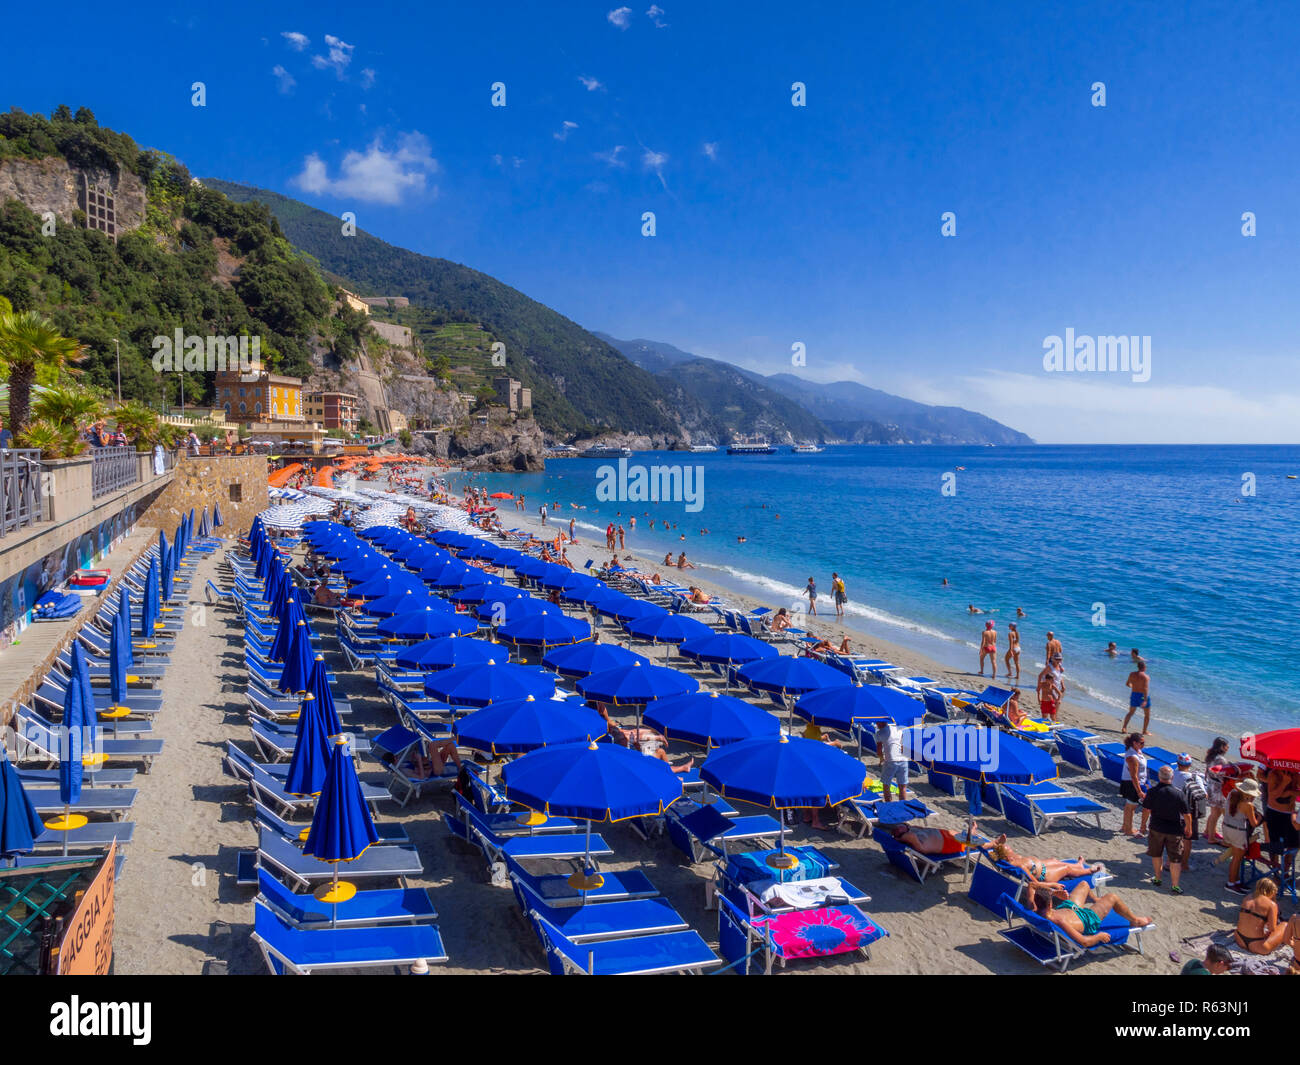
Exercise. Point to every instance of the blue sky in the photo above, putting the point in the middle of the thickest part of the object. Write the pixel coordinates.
(779, 224)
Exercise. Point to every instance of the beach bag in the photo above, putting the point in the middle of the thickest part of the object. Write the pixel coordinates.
(1196, 795)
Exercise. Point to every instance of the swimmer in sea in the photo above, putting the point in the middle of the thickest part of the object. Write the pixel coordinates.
(1020, 613)
(973, 609)
(945, 582)
(741, 540)
(1112, 651)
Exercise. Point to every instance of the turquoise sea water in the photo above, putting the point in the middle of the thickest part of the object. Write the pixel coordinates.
(1197, 575)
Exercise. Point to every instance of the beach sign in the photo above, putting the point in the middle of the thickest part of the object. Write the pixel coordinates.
(87, 946)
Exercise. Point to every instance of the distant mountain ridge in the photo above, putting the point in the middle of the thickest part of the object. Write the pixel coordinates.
(794, 408)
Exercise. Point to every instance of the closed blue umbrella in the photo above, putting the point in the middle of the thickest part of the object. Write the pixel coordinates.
(594, 782)
(297, 663)
(19, 822)
(708, 719)
(318, 684)
(311, 751)
(341, 826)
(216, 516)
(149, 608)
(581, 659)
(124, 616)
(864, 705)
(446, 652)
(429, 623)
(168, 570)
(119, 658)
(521, 725)
(544, 630)
(205, 530)
(635, 685)
(784, 774)
(76, 726)
(280, 646)
(482, 685)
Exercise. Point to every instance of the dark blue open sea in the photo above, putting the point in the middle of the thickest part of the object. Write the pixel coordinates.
(1197, 575)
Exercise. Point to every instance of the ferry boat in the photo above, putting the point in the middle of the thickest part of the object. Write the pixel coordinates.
(602, 451)
(807, 447)
(703, 449)
(750, 445)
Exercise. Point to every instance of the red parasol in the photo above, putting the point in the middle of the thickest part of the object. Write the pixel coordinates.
(1279, 749)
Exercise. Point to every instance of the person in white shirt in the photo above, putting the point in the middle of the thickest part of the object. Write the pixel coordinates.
(893, 763)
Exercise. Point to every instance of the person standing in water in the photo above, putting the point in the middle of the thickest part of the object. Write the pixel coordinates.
(989, 647)
(1139, 696)
(1013, 649)
(811, 592)
(839, 594)
(1053, 647)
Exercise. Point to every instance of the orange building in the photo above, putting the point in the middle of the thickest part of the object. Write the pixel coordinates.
(260, 397)
(333, 410)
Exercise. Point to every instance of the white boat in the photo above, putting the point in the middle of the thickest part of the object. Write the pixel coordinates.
(703, 449)
(807, 447)
(603, 451)
(750, 445)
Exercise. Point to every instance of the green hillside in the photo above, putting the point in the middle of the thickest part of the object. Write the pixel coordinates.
(579, 382)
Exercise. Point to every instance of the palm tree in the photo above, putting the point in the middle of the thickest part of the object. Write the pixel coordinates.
(29, 342)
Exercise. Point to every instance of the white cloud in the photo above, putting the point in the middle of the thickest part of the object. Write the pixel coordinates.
(375, 175)
(499, 160)
(654, 160)
(367, 78)
(656, 15)
(1110, 408)
(286, 79)
(297, 41)
(711, 149)
(340, 55)
(565, 130)
(613, 157)
(591, 83)
(620, 17)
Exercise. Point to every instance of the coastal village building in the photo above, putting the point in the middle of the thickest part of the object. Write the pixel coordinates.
(333, 410)
(260, 397)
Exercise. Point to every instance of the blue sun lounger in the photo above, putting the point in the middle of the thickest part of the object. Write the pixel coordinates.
(113, 801)
(870, 812)
(992, 879)
(608, 920)
(1111, 758)
(276, 741)
(557, 847)
(1075, 746)
(755, 943)
(302, 951)
(670, 952)
(702, 832)
(37, 737)
(1049, 944)
(390, 862)
(95, 778)
(96, 836)
(1037, 807)
(918, 865)
(556, 890)
(508, 824)
(379, 906)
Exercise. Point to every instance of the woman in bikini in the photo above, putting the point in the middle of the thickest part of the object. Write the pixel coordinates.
(989, 647)
(1013, 649)
(1257, 929)
(1039, 870)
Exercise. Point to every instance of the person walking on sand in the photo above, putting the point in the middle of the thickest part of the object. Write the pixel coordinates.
(989, 648)
(622, 545)
(1133, 788)
(811, 592)
(1171, 827)
(573, 536)
(1139, 697)
(542, 511)
(839, 594)
(1013, 649)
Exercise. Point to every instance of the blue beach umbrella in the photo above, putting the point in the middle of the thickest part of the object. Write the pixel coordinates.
(444, 653)
(622, 607)
(788, 676)
(635, 685)
(167, 573)
(666, 629)
(398, 602)
(483, 592)
(510, 607)
(216, 516)
(318, 683)
(594, 782)
(978, 756)
(341, 826)
(531, 567)
(544, 630)
(292, 614)
(311, 751)
(77, 724)
(490, 682)
(429, 623)
(124, 615)
(726, 649)
(553, 576)
(19, 822)
(119, 659)
(388, 580)
(863, 705)
(453, 575)
(588, 595)
(149, 608)
(582, 659)
(298, 661)
(708, 719)
(521, 725)
(205, 530)
(784, 773)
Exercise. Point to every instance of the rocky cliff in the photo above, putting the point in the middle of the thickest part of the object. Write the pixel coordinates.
(50, 184)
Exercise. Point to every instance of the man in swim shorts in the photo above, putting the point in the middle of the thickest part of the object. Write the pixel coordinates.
(1049, 693)
(1139, 696)
(1079, 913)
(937, 841)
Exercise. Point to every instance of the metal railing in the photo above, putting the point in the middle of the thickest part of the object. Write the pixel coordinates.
(112, 469)
(20, 489)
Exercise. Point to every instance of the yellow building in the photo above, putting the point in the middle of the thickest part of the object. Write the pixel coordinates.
(259, 397)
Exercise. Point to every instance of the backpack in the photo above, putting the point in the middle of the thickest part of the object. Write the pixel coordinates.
(1195, 794)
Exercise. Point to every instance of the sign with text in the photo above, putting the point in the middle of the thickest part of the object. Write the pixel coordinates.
(87, 947)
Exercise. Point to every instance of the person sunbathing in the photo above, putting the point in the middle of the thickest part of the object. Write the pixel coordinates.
(1038, 870)
(1079, 913)
(643, 739)
(435, 761)
(697, 596)
(1258, 930)
(324, 596)
(937, 841)
(781, 622)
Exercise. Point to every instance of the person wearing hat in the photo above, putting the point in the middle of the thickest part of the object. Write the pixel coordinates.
(1240, 820)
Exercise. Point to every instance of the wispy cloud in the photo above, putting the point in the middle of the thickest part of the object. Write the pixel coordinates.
(656, 15)
(367, 78)
(711, 149)
(565, 130)
(591, 84)
(376, 175)
(613, 157)
(655, 162)
(621, 17)
(340, 55)
(297, 41)
(500, 160)
(285, 79)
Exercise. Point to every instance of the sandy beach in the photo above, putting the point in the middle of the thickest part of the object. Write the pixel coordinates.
(179, 910)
